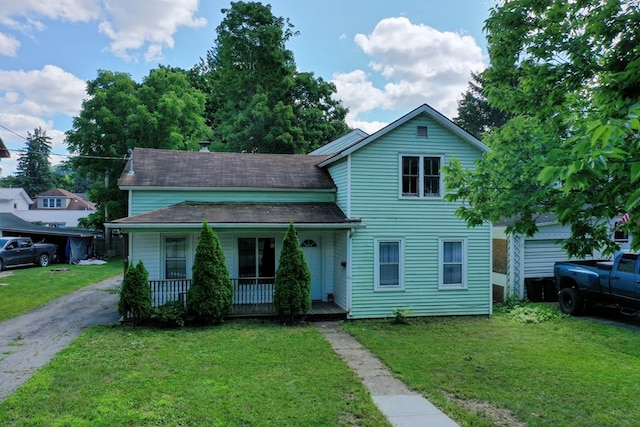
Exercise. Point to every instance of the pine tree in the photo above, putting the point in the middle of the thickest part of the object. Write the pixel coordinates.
(292, 294)
(210, 296)
(135, 294)
(34, 173)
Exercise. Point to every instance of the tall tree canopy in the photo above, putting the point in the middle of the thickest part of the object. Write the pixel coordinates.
(257, 100)
(475, 114)
(34, 173)
(164, 111)
(570, 74)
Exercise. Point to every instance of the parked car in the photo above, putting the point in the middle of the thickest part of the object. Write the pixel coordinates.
(15, 251)
(615, 283)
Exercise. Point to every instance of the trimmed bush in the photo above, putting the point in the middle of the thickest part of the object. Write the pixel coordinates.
(292, 293)
(210, 296)
(135, 294)
(169, 315)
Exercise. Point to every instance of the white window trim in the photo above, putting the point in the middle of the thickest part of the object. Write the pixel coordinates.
(376, 265)
(441, 242)
(420, 195)
(163, 255)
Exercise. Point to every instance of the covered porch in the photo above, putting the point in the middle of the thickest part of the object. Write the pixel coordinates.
(251, 298)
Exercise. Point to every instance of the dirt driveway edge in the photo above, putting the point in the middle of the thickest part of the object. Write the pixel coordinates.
(29, 341)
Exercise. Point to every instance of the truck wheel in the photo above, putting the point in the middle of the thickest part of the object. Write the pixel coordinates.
(570, 301)
(43, 261)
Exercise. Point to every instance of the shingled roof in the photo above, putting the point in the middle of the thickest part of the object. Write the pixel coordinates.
(189, 169)
(194, 213)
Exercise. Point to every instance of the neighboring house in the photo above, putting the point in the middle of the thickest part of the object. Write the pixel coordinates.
(369, 211)
(58, 208)
(519, 260)
(14, 199)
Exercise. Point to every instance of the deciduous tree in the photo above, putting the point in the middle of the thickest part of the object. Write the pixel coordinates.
(164, 111)
(257, 100)
(570, 74)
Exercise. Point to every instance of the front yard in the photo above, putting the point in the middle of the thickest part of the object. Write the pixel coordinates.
(240, 374)
(563, 372)
(480, 371)
(24, 289)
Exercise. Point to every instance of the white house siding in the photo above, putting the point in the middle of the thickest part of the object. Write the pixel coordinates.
(421, 222)
(143, 201)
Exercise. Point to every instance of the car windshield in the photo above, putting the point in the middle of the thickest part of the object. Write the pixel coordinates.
(3, 242)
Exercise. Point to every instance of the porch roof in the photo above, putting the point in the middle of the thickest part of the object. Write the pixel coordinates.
(190, 214)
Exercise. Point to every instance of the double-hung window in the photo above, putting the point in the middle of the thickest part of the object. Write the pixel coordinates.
(175, 258)
(421, 176)
(452, 263)
(389, 264)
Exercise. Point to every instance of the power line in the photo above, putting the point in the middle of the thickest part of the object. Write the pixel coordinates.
(69, 156)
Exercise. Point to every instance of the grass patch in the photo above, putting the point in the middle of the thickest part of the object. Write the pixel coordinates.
(242, 373)
(561, 371)
(29, 288)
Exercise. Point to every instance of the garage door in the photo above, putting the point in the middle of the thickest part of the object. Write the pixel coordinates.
(539, 257)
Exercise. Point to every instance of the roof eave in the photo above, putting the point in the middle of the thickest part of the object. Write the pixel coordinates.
(424, 108)
(227, 225)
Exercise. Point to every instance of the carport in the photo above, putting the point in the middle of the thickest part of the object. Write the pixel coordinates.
(74, 244)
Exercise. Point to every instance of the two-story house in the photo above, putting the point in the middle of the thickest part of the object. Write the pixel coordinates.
(57, 208)
(369, 210)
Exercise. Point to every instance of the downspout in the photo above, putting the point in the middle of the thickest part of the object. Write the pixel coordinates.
(490, 268)
(348, 186)
(349, 272)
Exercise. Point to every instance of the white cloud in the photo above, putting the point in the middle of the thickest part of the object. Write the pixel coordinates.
(8, 45)
(135, 24)
(68, 10)
(44, 92)
(130, 25)
(31, 99)
(418, 63)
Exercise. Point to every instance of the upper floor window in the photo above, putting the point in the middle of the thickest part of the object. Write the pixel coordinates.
(51, 203)
(421, 176)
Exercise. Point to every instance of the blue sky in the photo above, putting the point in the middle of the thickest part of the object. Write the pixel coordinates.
(385, 57)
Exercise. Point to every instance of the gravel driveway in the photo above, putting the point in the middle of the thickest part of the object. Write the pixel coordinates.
(30, 341)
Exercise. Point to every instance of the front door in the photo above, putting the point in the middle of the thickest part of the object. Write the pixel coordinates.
(313, 255)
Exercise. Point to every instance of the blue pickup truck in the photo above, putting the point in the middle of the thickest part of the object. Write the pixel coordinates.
(615, 283)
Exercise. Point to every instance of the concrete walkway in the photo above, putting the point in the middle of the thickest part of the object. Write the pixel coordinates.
(29, 341)
(402, 406)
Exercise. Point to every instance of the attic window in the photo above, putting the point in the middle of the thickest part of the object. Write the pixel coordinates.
(422, 132)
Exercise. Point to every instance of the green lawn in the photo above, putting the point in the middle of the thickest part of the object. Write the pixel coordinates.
(563, 372)
(243, 373)
(23, 289)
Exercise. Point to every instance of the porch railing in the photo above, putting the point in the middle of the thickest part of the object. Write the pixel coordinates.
(250, 295)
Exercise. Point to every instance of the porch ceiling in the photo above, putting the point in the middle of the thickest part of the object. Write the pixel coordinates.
(240, 213)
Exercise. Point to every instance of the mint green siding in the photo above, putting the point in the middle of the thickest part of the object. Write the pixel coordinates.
(148, 200)
(375, 197)
(340, 175)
